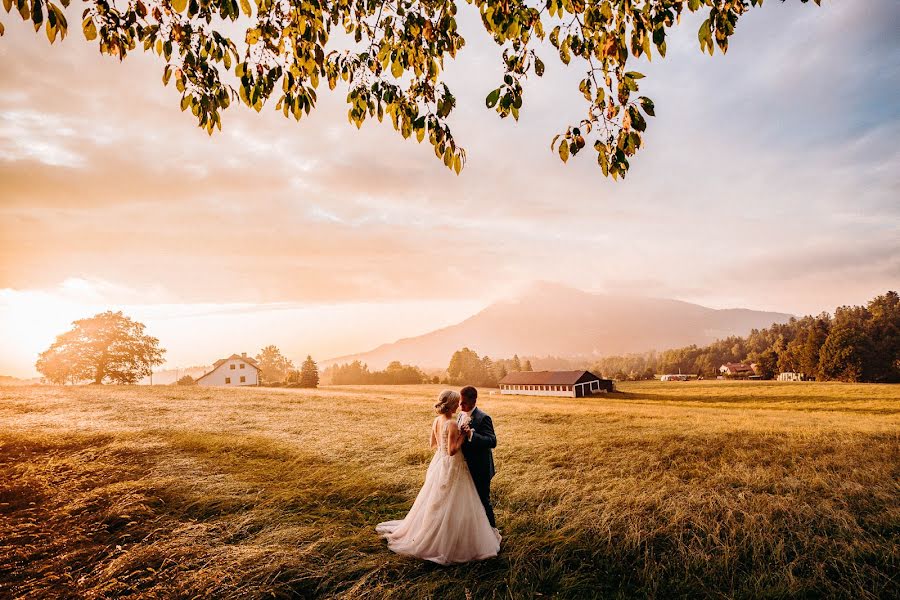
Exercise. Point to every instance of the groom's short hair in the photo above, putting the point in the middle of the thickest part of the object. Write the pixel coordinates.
(469, 393)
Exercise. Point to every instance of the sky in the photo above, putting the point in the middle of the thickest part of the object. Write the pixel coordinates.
(770, 179)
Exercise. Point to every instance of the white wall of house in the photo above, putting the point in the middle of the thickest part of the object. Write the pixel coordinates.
(229, 374)
(549, 390)
(790, 376)
(534, 390)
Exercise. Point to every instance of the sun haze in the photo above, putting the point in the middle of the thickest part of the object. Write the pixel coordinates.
(768, 181)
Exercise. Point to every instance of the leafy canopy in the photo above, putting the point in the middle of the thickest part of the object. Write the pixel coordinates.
(106, 348)
(389, 54)
(274, 367)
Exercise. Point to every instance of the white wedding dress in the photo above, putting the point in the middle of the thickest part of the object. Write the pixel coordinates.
(447, 523)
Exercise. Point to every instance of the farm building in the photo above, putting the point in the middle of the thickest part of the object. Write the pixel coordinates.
(788, 376)
(675, 377)
(236, 370)
(575, 384)
(736, 370)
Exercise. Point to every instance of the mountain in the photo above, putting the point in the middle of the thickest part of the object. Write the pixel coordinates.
(552, 319)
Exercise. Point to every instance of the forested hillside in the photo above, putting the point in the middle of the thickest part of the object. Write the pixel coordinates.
(857, 344)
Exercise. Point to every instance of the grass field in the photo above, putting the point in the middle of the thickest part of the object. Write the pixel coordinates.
(705, 489)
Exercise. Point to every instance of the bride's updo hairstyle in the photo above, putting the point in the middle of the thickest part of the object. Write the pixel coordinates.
(448, 400)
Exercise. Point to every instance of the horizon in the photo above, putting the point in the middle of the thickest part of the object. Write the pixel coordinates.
(767, 183)
(165, 322)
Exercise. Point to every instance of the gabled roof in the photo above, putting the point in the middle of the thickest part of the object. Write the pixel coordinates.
(250, 361)
(548, 377)
(737, 367)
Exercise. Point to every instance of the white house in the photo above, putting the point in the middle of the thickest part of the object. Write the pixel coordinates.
(234, 371)
(675, 377)
(736, 369)
(575, 384)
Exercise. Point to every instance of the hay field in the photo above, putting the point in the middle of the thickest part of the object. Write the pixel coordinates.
(706, 489)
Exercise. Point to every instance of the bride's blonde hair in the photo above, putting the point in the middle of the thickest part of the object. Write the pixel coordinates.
(447, 399)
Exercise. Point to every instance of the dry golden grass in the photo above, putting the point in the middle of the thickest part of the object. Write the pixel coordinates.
(707, 489)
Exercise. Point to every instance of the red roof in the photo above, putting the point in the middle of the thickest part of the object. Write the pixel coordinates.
(548, 377)
(737, 367)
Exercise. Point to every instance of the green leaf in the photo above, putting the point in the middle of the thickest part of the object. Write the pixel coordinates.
(647, 105)
(492, 98)
(37, 14)
(564, 151)
(538, 67)
(704, 35)
(602, 160)
(245, 6)
(90, 30)
(634, 75)
(637, 121)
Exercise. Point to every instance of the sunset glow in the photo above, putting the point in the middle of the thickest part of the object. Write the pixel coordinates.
(767, 183)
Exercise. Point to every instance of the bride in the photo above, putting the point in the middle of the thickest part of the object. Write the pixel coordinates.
(447, 523)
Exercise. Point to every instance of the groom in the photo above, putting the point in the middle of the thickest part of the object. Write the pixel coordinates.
(480, 438)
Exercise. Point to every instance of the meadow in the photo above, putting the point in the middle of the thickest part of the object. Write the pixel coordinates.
(703, 489)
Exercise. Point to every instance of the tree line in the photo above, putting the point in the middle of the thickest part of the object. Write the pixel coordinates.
(467, 368)
(358, 373)
(856, 344)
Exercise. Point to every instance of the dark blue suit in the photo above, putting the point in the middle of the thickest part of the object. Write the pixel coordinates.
(479, 456)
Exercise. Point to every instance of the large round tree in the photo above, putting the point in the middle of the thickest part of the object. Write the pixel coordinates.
(106, 348)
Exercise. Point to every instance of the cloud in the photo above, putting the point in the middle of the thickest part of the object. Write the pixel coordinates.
(785, 143)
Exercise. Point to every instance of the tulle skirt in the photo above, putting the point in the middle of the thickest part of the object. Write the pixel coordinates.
(447, 523)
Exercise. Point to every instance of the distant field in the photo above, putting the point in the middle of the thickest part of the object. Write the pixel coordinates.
(701, 489)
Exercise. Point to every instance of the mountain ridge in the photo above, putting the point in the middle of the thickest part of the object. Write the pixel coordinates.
(554, 320)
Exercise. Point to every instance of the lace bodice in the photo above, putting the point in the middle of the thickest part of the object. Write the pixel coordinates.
(443, 435)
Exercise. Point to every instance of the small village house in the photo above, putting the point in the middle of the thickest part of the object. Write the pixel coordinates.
(675, 377)
(575, 384)
(234, 371)
(736, 370)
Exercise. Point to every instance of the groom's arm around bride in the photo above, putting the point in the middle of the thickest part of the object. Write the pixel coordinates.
(483, 436)
(480, 440)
